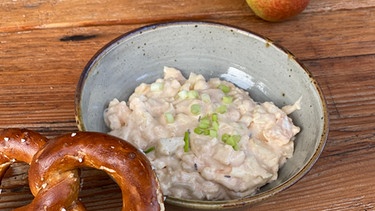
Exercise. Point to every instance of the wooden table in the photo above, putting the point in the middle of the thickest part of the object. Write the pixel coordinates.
(44, 45)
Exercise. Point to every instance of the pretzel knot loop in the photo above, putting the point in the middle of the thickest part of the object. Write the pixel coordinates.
(54, 168)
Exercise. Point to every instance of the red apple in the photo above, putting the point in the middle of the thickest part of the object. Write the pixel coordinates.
(277, 10)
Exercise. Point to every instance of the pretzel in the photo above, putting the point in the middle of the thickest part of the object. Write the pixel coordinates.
(54, 168)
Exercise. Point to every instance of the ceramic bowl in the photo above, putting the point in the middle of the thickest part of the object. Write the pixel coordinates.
(267, 71)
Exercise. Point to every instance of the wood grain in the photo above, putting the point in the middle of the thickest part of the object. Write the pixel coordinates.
(45, 44)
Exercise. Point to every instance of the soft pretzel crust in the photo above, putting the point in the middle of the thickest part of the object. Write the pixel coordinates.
(54, 168)
(18, 145)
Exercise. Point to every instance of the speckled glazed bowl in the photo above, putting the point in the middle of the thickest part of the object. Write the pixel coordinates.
(252, 62)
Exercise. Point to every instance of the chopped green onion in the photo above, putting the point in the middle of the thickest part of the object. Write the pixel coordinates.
(169, 117)
(215, 125)
(199, 131)
(213, 133)
(192, 94)
(195, 109)
(149, 150)
(204, 123)
(157, 86)
(215, 122)
(227, 99)
(206, 132)
(186, 140)
(215, 117)
(208, 125)
(225, 137)
(221, 109)
(206, 98)
(231, 140)
(224, 88)
(182, 94)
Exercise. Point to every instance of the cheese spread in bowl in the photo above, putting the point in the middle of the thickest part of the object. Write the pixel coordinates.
(207, 140)
(221, 54)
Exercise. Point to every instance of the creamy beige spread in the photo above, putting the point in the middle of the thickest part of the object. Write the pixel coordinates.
(206, 139)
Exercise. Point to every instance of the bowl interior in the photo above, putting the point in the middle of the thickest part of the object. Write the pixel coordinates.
(250, 61)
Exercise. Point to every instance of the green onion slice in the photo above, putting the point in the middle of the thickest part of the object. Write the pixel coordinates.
(186, 140)
(195, 109)
(221, 109)
(227, 99)
(169, 117)
(213, 133)
(215, 117)
(204, 123)
(192, 94)
(231, 140)
(224, 88)
(149, 150)
(157, 86)
(182, 94)
(215, 125)
(206, 98)
(199, 131)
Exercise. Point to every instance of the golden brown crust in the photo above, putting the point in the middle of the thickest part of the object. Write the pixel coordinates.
(18, 145)
(54, 169)
(123, 162)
